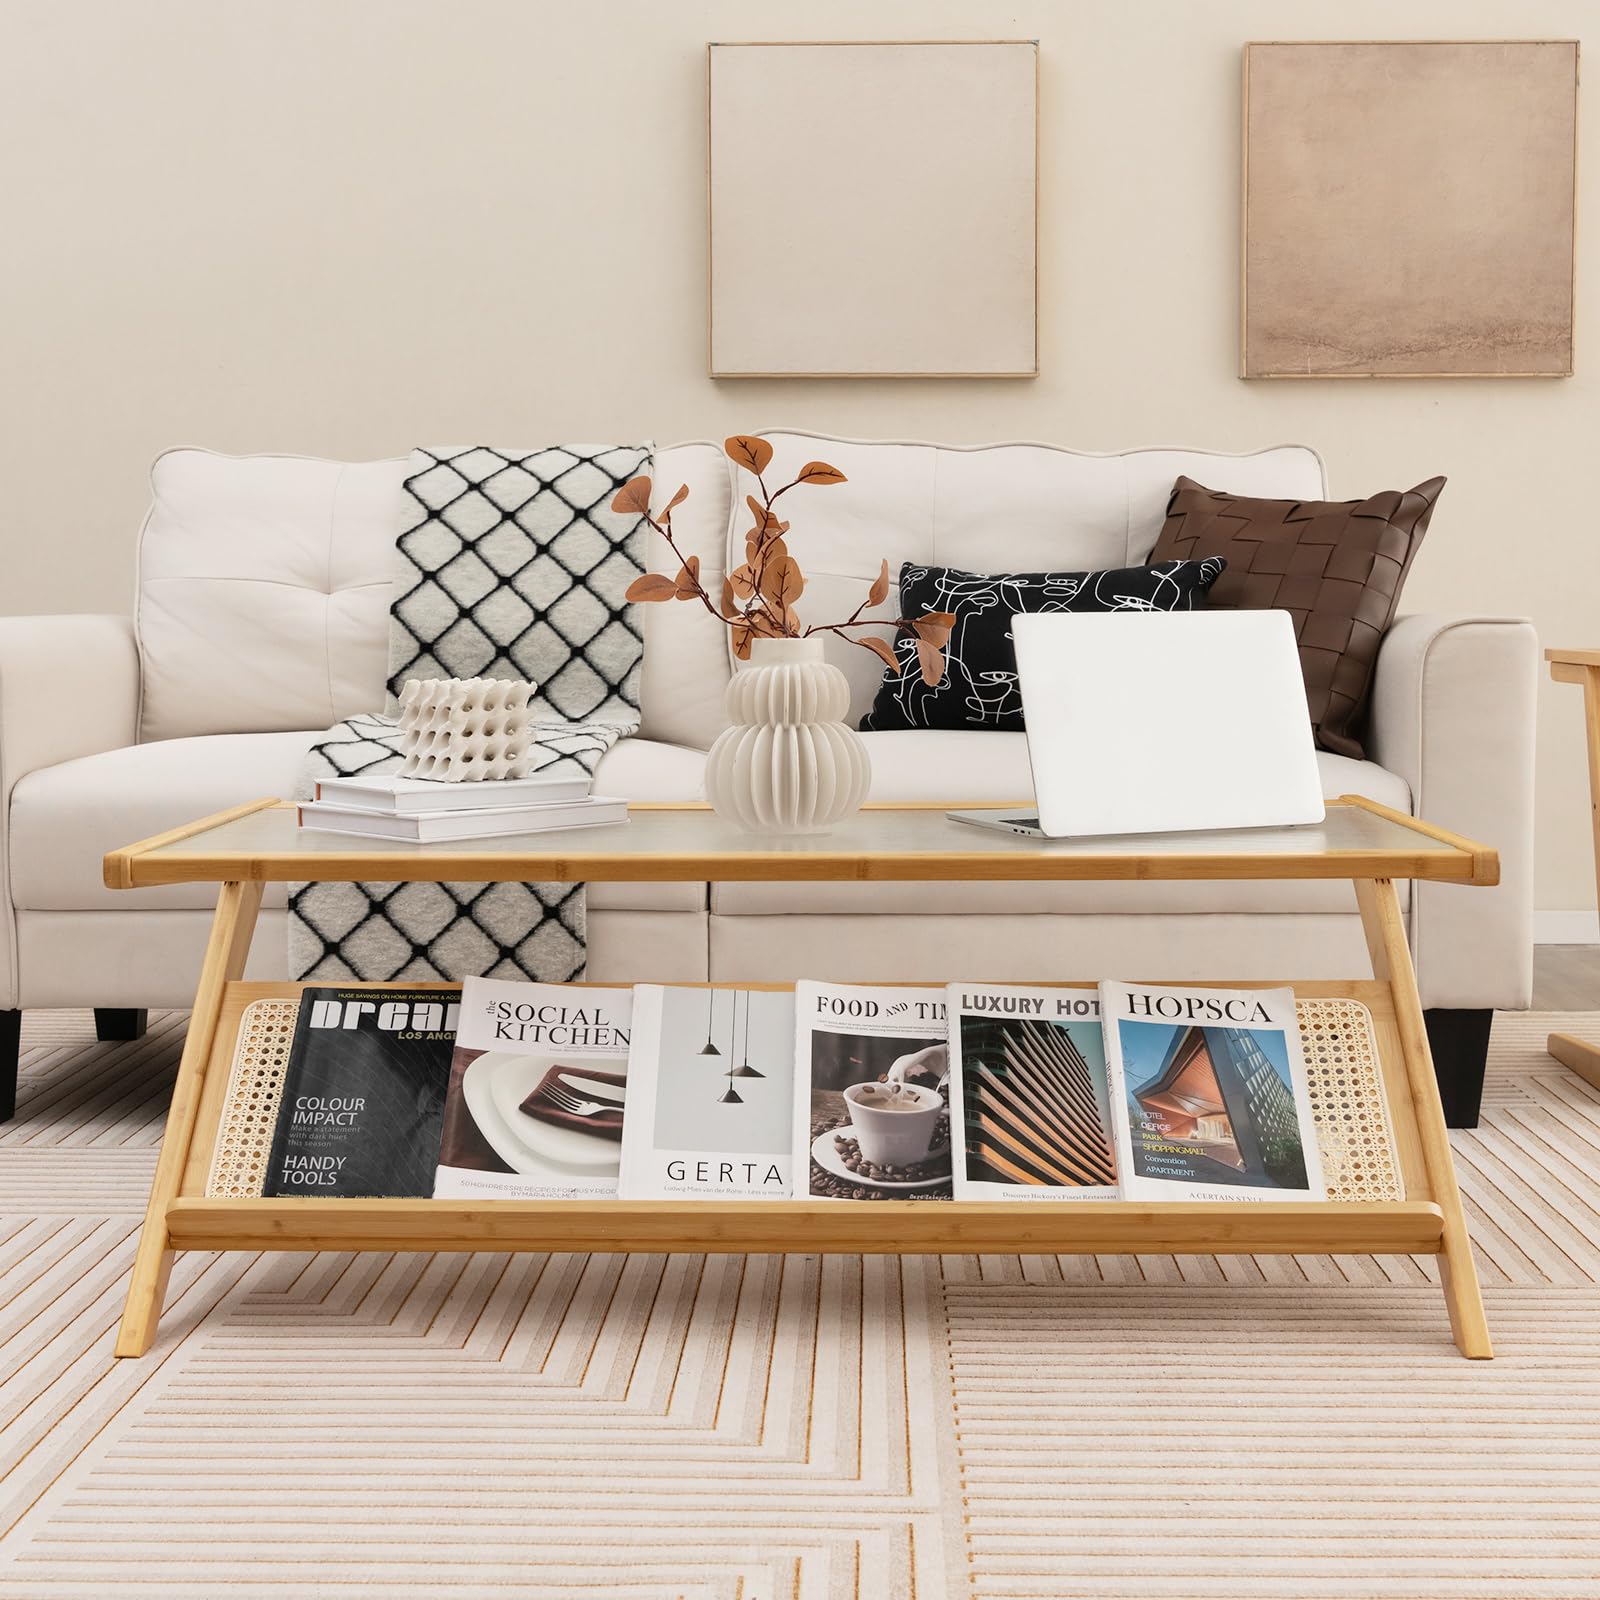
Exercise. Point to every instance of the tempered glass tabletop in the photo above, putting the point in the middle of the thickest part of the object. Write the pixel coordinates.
(879, 844)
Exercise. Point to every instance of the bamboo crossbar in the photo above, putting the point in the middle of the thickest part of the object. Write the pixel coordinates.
(889, 1227)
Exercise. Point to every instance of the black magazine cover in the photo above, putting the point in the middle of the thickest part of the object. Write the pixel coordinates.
(363, 1097)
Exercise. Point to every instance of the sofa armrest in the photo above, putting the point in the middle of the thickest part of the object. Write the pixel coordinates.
(1453, 714)
(69, 687)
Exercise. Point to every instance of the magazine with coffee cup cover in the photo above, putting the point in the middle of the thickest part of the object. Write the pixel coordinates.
(872, 1093)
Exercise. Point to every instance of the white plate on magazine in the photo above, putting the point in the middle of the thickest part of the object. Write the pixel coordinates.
(826, 1155)
(494, 1087)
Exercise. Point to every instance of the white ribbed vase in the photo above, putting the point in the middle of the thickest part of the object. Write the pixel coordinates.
(789, 763)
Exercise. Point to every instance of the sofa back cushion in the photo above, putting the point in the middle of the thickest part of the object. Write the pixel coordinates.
(985, 508)
(264, 587)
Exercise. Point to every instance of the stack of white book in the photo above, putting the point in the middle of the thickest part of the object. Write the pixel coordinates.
(424, 811)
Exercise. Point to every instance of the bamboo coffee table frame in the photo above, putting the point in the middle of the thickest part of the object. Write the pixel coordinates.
(1428, 1221)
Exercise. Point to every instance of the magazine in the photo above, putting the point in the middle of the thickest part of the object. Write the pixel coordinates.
(534, 1106)
(1028, 1077)
(710, 1095)
(1209, 1090)
(363, 1094)
(871, 1104)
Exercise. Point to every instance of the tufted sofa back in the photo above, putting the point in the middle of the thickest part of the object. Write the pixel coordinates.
(264, 580)
(264, 587)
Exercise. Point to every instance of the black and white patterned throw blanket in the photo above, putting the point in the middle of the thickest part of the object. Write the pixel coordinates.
(510, 564)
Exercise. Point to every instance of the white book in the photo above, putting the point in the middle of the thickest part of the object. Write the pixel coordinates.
(1028, 1081)
(871, 1093)
(391, 794)
(1208, 1088)
(710, 1095)
(534, 1107)
(441, 827)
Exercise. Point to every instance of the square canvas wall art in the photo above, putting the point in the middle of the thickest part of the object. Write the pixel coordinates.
(1409, 209)
(872, 209)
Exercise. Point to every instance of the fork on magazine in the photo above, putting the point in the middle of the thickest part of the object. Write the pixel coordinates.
(575, 1105)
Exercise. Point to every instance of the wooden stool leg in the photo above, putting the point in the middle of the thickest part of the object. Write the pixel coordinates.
(1581, 1057)
(231, 928)
(1391, 963)
(1591, 723)
(1577, 1054)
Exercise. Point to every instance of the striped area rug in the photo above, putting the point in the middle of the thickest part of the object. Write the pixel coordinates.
(555, 1427)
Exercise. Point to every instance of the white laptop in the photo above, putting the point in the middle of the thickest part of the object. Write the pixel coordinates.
(1161, 722)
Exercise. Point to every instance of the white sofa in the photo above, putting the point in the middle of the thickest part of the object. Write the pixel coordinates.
(261, 619)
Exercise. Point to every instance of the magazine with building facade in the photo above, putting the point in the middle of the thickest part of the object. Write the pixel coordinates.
(363, 1094)
(871, 1108)
(1208, 1088)
(1028, 1081)
(537, 1086)
(710, 1095)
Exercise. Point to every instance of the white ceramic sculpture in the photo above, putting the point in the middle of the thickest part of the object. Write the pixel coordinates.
(463, 730)
(789, 763)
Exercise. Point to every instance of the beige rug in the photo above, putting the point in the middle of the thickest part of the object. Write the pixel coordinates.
(557, 1428)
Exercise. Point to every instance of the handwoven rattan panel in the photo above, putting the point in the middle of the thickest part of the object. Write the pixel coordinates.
(1345, 1082)
(250, 1111)
(1359, 1161)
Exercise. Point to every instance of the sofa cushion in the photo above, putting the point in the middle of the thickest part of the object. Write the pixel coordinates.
(65, 818)
(988, 508)
(1335, 566)
(263, 592)
(686, 662)
(980, 688)
(264, 587)
(968, 768)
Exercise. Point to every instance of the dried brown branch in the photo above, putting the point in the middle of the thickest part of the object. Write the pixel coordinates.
(757, 599)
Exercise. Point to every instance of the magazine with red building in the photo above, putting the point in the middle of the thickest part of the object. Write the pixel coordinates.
(1209, 1091)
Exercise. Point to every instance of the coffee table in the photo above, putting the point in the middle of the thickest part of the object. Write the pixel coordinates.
(1360, 841)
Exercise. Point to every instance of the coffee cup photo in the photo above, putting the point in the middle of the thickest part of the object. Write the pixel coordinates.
(876, 1115)
(894, 1123)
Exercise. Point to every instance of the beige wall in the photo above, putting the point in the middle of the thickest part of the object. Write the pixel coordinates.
(347, 226)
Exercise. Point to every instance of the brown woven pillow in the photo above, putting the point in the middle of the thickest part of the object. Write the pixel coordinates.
(1335, 565)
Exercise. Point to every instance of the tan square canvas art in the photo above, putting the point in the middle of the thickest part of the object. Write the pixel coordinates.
(1408, 209)
(872, 209)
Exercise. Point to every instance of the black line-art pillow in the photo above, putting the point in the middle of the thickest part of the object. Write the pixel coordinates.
(979, 689)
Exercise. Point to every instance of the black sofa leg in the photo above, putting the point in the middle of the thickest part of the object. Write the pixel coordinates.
(1459, 1041)
(10, 1049)
(114, 1024)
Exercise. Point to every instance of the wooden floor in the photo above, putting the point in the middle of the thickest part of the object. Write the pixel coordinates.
(1566, 977)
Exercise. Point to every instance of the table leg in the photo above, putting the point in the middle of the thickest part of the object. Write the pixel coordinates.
(1391, 963)
(229, 944)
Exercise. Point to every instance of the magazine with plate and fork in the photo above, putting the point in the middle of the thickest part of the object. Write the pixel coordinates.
(534, 1109)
